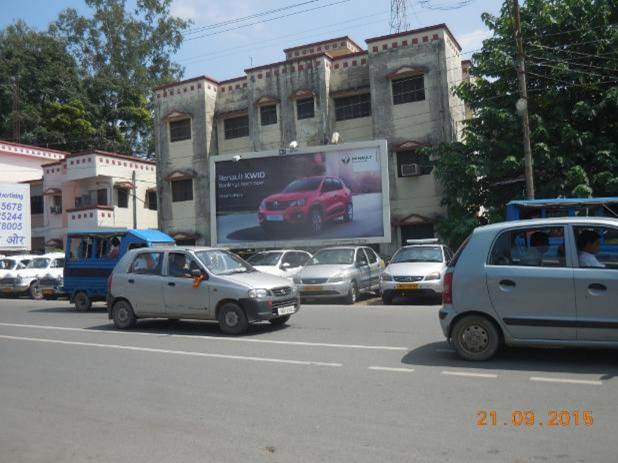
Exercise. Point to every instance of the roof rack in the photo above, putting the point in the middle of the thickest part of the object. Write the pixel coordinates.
(424, 241)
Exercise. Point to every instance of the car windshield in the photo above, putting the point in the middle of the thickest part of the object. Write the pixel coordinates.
(7, 264)
(333, 257)
(220, 262)
(265, 258)
(419, 254)
(38, 262)
(304, 184)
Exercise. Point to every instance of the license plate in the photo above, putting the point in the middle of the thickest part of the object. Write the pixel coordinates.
(286, 310)
(274, 218)
(406, 286)
(312, 288)
(7, 290)
(48, 292)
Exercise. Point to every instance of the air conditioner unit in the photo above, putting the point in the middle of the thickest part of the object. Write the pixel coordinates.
(56, 209)
(410, 170)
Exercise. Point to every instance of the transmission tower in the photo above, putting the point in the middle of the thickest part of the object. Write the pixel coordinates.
(399, 15)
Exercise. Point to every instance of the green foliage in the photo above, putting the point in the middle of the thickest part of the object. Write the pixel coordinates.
(572, 73)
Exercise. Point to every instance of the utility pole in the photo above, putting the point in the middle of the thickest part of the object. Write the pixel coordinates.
(16, 113)
(134, 200)
(522, 103)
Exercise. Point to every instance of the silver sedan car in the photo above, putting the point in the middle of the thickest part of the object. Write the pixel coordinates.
(197, 283)
(340, 272)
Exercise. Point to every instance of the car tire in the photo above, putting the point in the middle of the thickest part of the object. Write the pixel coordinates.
(387, 299)
(280, 320)
(349, 213)
(232, 319)
(475, 338)
(352, 295)
(123, 315)
(82, 301)
(35, 292)
(316, 220)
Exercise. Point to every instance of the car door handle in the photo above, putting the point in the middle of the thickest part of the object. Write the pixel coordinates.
(131, 280)
(508, 283)
(171, 283)
(597, 287)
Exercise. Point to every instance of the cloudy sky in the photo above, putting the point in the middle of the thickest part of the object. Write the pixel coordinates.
(230, 35)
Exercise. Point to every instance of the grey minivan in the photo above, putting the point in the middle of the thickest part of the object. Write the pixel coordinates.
(535, 282)
(197, 283)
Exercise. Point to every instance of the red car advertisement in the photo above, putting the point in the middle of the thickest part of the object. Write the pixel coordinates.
(310, 197)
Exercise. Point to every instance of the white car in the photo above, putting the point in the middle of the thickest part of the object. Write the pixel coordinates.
(51, 282)
(282, 263)
(8, 265)
(24, 279)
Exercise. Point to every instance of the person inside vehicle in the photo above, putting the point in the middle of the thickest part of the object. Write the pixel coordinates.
(539, 244)
(588, 243)
(178, 266)
(115, 249)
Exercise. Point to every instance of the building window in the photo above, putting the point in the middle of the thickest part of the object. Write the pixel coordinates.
(236, 127)
(409, 89)
(123, 198)
(304, 108)
(268, 115)
(413, 164)
(180, 130)
(352, 107)
(56, 205)
(36, 204)
(182, 190)
(151, 200)
(102, 197)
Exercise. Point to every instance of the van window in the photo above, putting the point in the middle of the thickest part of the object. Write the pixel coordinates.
(81, 248)
(530, 247)
(371, 255)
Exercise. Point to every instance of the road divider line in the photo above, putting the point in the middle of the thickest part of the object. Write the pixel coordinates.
(173, 352)
(399, 370)
(566, 380)
(210, 338)
(469, 374)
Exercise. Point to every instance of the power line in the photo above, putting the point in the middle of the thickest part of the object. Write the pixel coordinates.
(564, 61)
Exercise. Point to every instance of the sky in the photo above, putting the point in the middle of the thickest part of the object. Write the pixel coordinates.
(224, 50)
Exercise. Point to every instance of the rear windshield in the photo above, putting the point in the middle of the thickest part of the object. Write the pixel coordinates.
(453, 261)
(418, 254)
(305, 184)
(264, 258)
(333, 257)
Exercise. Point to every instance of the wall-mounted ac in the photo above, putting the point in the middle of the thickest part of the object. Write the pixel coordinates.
(410, 170)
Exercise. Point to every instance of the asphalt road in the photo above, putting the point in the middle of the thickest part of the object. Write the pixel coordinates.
(338, 384)
(246, 228)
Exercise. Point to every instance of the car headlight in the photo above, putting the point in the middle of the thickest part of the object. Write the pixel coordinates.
(258, 293)
(433, 276)
(338, 277)
(298, 203)
(387, 276)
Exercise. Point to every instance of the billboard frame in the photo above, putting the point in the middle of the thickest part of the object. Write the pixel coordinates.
(382, 149)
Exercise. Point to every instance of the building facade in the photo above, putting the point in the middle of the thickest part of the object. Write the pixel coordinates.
(23, 163)
(399, 88)
(90, 190)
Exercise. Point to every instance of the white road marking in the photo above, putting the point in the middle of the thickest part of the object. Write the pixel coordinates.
(211, 338)
(401, 370)
(469, 374)
(175, 352)
(565, 380)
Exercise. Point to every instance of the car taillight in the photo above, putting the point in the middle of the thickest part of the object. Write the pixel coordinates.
(109, 283)
(447, 289)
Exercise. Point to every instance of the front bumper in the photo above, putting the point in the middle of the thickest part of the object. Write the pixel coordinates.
(421, 288)
(48, 290)
(14, 289)
(267, 309)
(293, 215)
(325, 290)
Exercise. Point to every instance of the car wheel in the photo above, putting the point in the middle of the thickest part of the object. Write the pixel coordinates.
(280, 320)
(349, 213)
(232, 319)
(387, 299)
(352, 295)
(35, 291)
(475, 338)
(123, 315)
(316, 220)
(82, 301)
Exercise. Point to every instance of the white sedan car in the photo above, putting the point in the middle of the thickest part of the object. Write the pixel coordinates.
(282, 263)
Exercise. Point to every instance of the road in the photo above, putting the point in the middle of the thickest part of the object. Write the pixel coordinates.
(367, 222)
(338, 384)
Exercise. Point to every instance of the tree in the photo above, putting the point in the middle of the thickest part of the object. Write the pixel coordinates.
(572, 71)
(124, 55)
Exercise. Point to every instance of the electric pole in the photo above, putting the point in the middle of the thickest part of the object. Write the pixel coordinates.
(522, 103)
(16, 114)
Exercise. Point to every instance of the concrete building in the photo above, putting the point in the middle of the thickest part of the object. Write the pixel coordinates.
(399, 88)
(89, 190)
(22, 163)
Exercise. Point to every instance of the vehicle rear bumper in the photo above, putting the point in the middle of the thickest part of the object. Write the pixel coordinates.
(258, 310)
(446, 314)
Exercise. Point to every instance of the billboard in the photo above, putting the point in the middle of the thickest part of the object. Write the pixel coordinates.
(14, 217)
(323, 195)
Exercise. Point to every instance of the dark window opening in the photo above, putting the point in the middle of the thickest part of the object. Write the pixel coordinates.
(123, 198)
(182, 190)
(305, 108)
(412, 164)
(408, 89)
(36, 204)
(102, 197)
(352, 107)
(180, 130)
(236, 127)
(151, 200)
(268, 115)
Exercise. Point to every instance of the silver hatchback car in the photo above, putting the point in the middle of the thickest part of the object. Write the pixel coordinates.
(197, 283)
(535, 283)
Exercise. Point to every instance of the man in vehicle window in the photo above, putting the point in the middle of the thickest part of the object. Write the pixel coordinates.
(588, 243)
(539, 244)
(178, 266)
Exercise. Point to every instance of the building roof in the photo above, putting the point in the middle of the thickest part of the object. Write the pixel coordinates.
(323, 42)
(416, 31)
(186, 81)
(19, 149)
(103, 153)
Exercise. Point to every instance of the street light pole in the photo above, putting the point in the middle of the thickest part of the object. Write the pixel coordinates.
(522, 104)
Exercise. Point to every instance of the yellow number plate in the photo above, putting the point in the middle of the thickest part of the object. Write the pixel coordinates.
(48, 292)
(406, 286)
(312, 288)
(7, 290)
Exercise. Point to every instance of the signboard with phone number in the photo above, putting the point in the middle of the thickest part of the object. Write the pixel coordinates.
(14, 216)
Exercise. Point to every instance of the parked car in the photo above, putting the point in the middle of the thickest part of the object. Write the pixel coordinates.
(197, 283)
(8, 268)
(51, 282)
(24, 279)
(311, 201)
(92, 254)
(283, 263)
(342, 272)
(415, 270)
(534, 282)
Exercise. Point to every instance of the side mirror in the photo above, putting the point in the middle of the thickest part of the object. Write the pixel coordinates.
(196, 273)
(285, 266)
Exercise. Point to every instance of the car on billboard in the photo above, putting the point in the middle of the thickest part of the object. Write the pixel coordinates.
(311, 201)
